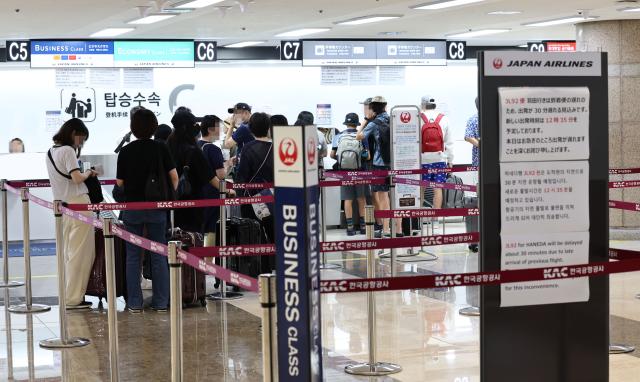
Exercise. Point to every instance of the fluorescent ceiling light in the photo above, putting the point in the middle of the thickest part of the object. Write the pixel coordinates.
(244, 44)
(368, 19)
(154, 18)
(500, 13)
(302, 32)
(478, 33)
(445, 4)
(564, 20)
(197, 3)
(112, 32)
(629, 9)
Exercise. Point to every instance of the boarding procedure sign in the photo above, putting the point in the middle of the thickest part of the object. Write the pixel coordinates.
(296, 210)
(405, 132)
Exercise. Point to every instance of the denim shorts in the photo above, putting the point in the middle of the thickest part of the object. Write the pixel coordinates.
(380, 187)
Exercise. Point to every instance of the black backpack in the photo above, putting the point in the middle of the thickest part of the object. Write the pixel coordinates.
(384, 130)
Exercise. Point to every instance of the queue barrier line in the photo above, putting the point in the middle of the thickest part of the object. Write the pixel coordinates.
(428, 184)
(248, 186)
(624, 184)
(384, 173)
(480, 278)
(43, 183)
(170, 205)
(620, 205)
(426, 213)
(624, 171)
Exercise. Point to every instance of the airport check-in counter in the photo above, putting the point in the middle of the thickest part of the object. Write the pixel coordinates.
(30, 166)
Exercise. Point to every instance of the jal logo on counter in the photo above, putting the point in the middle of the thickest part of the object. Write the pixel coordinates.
(311, 150)
(288, 151)
(405, 117)
(497, 63)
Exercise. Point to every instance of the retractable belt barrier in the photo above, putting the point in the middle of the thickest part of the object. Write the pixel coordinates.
(170, 205)
(631, 263)
(248, 186)
(43, 183)
(628, 206)
(384, 173)
(426, 213)
(623, 171)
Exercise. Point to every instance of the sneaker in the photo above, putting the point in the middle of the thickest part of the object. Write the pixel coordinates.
(82, 305)
(377, 227)
(399, 235)
(473, 248)
(351, 232)
(387, 235)
(134, 310)
(363, 230)
(378, 234)
(160, 310)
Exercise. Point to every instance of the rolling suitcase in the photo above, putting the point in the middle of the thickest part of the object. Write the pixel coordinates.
(97, 285)
(472, 223)
(241, 231)
(453, 198)
(194, 283)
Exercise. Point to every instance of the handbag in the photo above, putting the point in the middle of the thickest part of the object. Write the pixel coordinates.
(262, 210)
(94, 187)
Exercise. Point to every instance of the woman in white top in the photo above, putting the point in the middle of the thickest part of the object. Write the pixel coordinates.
(78, 237)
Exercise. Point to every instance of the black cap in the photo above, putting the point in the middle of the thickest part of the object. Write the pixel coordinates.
(183, 120)
(239, 106)
(351, 120)
(366, 101)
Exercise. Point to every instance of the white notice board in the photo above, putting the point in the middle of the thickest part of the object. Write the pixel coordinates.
(405, 153)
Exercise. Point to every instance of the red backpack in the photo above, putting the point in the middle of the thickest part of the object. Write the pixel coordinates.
(432, 137)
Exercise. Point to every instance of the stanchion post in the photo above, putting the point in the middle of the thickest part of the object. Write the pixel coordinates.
(64, 341)
(8, 336)
(269, 336)
(223, 294)
(112, 313)
(5, 240)
(392, 224)
(175, 279)
(323, 219)
(372, 368)
(28, 306)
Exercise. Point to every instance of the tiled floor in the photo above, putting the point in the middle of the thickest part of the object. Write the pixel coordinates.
(421, 331)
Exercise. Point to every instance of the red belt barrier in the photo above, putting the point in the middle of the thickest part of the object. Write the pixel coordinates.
(623, 254)
(235, 250)
(384, 173)
(40, 202)
(623, 171)
(479, 278)
(41, 183)
(248, 186)
(446, 186)
(404, 242)
(625, 184)
(624, 205)
(426, 213)
(169, 205)
(12, 189)
(352, 182)
(231, 277)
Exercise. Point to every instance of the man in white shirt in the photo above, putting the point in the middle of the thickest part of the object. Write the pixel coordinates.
(437, 145)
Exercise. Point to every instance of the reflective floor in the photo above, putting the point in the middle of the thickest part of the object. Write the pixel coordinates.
(421, 331)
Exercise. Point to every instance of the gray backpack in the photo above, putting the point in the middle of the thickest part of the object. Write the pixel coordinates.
(349, 152)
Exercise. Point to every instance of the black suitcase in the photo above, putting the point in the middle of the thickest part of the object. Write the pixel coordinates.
(194, 282)
(472, 223)
(243, 231)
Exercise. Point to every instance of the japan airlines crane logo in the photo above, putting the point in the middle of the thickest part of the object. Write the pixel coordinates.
(311, 150)
(405, 117)
(288, 152)
(497, 63)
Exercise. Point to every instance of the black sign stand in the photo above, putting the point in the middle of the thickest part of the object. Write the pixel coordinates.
(544, 343)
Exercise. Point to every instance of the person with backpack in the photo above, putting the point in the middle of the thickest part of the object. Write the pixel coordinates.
(351, 154)
(437, 145)
(379, 127)
(152, 179)
(209, 132)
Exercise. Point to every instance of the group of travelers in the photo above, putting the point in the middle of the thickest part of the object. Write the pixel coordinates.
(183, 162)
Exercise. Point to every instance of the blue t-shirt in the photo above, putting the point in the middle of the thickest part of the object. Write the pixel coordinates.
(373, 128)
(214, 157)
(472, 132)
(336, 140)
(242, 136)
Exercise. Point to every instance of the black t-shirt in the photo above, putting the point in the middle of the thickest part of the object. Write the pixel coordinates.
(254, 154)
(136, 161)
(192, 219)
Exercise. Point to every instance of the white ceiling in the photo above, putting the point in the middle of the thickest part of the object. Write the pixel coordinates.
(263, 19)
